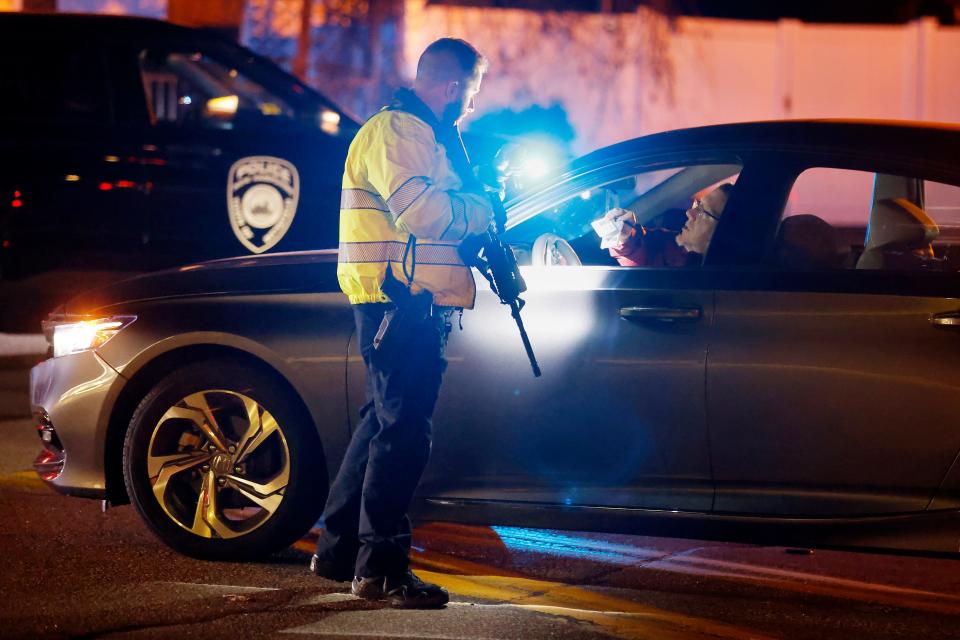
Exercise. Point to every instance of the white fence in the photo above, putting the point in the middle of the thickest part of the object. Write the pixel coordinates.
(621, 76)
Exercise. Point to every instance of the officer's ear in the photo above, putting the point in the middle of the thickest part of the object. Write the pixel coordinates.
(452, 90)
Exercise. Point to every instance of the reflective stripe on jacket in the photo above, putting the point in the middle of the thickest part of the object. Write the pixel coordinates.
(401, 206)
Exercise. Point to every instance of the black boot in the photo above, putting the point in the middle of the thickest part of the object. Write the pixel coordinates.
(330, 570)
(405, 591)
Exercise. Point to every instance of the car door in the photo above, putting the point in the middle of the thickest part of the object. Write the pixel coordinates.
(618, 417)
(832, 372)
(235, 167)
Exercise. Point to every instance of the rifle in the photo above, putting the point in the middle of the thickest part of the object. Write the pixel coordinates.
(495, 260)
(486, 252)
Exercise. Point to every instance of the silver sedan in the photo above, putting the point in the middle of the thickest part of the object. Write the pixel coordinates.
(794, 378)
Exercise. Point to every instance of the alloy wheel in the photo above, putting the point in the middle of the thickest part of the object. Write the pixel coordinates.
(218, 463)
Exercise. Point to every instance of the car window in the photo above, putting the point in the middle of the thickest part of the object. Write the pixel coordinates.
(846, 219)
(54, 84)
(193, 89)
(662, 218)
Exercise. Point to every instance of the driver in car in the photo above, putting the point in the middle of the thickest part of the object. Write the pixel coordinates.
(636, 246)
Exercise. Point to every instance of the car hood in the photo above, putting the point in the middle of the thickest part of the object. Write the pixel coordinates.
(268, 273)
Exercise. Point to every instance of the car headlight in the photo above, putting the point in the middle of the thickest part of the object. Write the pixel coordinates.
(74, 337)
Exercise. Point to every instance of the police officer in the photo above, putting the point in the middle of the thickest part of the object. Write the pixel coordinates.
(408, 201)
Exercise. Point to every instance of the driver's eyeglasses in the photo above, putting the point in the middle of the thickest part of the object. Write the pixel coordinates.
(700, 211)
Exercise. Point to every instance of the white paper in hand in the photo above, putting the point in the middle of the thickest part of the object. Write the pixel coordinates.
(613, 227)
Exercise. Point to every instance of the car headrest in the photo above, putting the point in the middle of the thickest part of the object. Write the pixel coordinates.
(886, 186)
(807, 242)
(897, 223)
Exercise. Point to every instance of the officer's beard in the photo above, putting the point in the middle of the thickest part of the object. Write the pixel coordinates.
(452, 114)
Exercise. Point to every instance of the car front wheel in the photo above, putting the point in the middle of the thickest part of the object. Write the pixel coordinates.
(221, 465)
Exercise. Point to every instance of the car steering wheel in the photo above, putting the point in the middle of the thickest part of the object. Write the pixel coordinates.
(550, 250)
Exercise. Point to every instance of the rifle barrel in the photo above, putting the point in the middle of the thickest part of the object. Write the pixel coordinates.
(515, 312)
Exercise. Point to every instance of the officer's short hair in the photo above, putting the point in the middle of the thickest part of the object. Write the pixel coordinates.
(450, 59)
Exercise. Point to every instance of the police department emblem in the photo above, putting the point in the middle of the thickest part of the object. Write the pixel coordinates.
(262, 195)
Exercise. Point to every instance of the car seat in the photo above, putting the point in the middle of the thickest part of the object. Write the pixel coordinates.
(807, 242)
(899, 232)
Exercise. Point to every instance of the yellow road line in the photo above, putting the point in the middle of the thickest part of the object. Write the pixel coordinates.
(801, 582)
(619, 617)
(23, 480)
(784, 579)
(307, 546)
(616, 616)
(626, 618)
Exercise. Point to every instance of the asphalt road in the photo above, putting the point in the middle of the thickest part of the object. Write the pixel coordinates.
(71, 571)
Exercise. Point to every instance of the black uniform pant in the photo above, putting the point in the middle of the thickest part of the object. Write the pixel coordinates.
(366, 523)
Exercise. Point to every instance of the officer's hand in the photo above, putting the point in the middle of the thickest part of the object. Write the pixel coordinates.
(492, 179)
(479, 214)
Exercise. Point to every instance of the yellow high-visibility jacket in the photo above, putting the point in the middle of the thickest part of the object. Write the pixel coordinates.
(401, 206)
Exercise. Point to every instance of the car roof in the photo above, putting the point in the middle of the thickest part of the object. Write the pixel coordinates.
(939, 142)
(928, 143)
(82, 26)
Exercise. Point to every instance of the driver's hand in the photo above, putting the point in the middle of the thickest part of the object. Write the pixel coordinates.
(616, 228)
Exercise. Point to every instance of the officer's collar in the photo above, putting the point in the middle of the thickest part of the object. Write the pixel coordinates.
(406, 100)
(449, 137)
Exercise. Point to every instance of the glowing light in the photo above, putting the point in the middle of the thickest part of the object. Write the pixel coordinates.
(330, 121)
(224, 106)
(186, 100)
(550, 325)
(16, 194)
(585, 195)
(270, 109)
(74, 337)
(16, 204)
(564, 278)
(126, 184)
(72, 177)
(530, 161)
(536, 167)
(6, 244)
(105, 186)
(571, 546)
(111, 159)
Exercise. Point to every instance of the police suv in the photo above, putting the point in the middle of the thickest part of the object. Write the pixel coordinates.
(133, 144)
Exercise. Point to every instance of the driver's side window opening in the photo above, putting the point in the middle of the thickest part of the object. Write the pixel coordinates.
(846, 219)
(663, 218)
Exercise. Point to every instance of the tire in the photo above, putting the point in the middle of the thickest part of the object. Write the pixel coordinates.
(210, 481)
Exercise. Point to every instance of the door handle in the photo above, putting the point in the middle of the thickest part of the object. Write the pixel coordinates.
(946, 320)
(661, 314)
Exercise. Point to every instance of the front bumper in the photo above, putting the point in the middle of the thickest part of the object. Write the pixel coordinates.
(71, 397)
